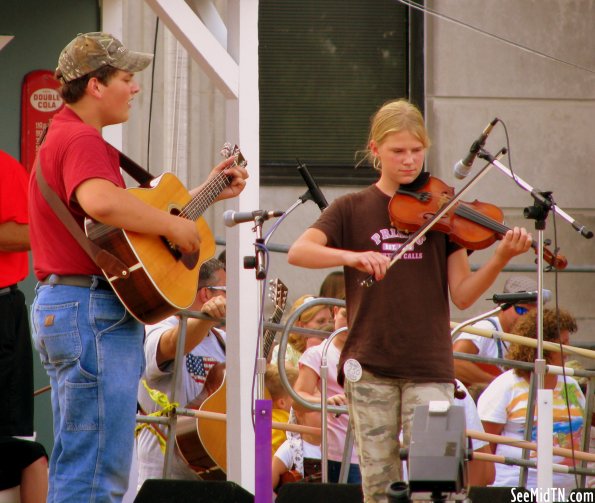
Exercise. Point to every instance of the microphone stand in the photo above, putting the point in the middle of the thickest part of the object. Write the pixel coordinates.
(455, 331)
(259, 263)
(306, 196)
(543, 203)
(262, 407)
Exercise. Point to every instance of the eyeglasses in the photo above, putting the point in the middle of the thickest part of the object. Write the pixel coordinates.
(217, 288)
(520, 310)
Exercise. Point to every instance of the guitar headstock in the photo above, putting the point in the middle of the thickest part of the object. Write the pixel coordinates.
(278, 294)
(228, 151)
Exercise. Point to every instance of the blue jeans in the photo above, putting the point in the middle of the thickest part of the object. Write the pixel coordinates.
(334, 470)
(92, 350)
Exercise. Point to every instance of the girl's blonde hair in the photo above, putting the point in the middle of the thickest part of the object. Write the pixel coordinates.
(297, 341)
(393, 117)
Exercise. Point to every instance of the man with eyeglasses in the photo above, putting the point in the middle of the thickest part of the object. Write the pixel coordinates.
(479, 373)
(204, 347)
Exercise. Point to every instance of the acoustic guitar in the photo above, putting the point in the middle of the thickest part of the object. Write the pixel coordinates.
(160, 280)
(202, 442)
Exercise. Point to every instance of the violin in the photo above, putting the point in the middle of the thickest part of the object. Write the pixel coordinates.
(475, 225)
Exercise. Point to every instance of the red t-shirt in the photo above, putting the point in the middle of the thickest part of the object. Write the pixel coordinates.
(14, 266)
(72, 152)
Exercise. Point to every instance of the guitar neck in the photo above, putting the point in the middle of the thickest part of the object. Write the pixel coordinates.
(194, 209)
(268, 335)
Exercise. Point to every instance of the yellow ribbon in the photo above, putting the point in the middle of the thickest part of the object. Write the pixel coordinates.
(167, 407)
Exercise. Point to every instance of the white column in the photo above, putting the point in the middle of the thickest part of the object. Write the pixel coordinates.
(242, 319)
(112, 16)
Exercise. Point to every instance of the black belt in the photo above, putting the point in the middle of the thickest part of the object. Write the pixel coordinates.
(8, 289)
(77, 280)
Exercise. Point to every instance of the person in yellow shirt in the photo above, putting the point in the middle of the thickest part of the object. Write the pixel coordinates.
(282, 402)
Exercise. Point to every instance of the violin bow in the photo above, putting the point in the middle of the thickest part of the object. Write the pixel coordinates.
(425, 228)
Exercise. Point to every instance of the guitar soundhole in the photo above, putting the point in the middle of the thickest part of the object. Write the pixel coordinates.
(172, 248)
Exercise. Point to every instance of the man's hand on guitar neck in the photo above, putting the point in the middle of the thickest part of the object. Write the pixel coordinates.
(231, 168)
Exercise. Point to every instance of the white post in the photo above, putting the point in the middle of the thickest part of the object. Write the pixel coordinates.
(112, 21)
(242, 319)
(545, 403)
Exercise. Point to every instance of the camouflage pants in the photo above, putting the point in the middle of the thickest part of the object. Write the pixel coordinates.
(378, 407)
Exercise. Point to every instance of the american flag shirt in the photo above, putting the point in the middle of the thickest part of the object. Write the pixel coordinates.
(199, 366)
(196, 367)
(194, 370)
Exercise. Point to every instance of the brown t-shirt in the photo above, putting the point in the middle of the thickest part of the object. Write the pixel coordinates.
(398, 327)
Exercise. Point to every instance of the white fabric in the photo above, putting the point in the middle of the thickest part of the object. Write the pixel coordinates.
(194, 369)
(486, 347)
(337, 426)
(284, 452)
(472, 419)
(291, 355)
(504, 401)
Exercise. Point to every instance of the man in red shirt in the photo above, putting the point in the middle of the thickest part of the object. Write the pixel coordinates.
(92, 349)
(16, 359)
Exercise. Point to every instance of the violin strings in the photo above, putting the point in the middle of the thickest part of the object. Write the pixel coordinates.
(477, 217)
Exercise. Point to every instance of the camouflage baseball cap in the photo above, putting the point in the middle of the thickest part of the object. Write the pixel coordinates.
(90, 51)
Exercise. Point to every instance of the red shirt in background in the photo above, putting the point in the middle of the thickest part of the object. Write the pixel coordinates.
(14, 266)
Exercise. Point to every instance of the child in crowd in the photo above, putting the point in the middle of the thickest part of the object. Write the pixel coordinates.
(281, 400)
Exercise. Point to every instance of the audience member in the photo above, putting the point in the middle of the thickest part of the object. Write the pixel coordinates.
(503, 405)
(24, 463)
(333, 286)
(281, 399)
(308, 386)
(204, 347)
(298, 458)
(479, 373)
(314, 318)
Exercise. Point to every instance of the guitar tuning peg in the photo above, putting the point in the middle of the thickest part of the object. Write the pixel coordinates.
(226, 150)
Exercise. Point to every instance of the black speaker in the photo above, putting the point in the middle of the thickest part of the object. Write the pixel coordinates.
(192, 491)
(301, 492)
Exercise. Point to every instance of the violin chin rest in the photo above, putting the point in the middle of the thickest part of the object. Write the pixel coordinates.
(418, 183)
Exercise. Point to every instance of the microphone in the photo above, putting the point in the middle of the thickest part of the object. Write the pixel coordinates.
(463, 167)
(314, 193)
(521, 297)
(231, 218)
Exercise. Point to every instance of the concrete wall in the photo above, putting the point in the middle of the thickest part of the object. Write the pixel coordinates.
(547, 106)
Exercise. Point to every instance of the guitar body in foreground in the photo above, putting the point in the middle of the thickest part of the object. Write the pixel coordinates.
(201, 442)
(161, 281)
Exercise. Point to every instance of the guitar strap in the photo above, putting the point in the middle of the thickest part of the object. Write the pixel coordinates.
(104, 259)
(219, 338)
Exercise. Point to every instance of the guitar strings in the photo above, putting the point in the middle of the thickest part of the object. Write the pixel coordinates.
(197, 206)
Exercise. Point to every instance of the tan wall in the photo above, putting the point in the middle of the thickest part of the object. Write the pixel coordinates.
(547, 106)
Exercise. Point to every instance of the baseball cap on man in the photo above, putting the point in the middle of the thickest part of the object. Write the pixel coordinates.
(517, 284)
(90, 51)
